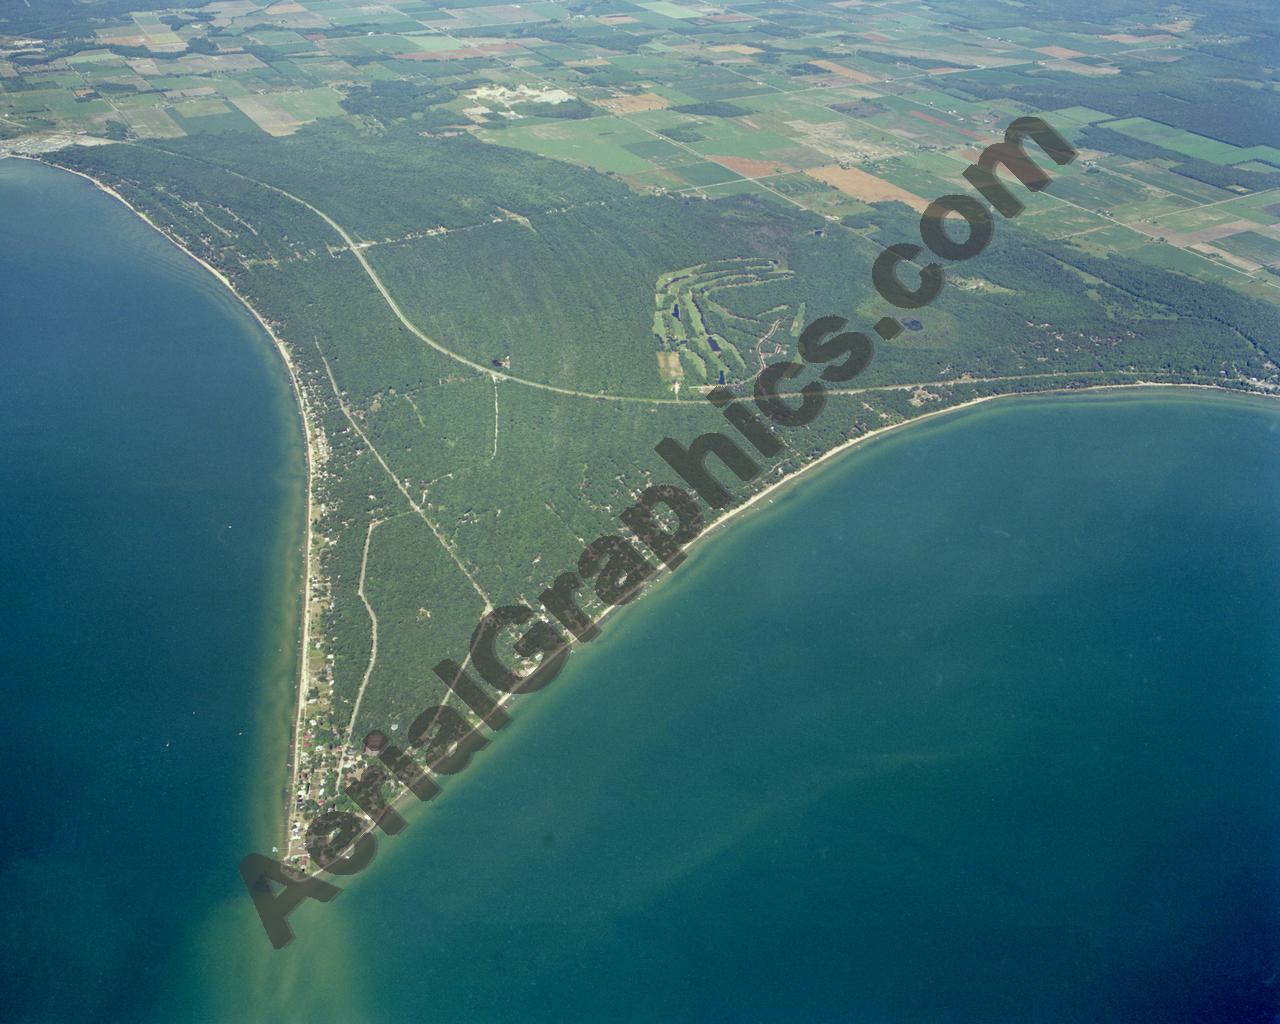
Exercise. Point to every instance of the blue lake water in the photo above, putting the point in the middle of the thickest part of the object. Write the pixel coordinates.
(150, 474)
(979, 723)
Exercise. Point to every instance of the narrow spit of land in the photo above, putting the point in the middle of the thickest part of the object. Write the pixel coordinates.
(294, 823)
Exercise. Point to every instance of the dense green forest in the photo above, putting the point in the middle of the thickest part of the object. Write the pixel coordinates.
(76, 18)
(497, 308)
(1204, 92)
(517, 478)
(400, 100)
(1099, 137)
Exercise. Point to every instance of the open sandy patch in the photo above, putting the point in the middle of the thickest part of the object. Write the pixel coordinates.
(1239, 262)
(1092, 70)
(866, 187)
(634, 104)
(1125, 37)
(844, 72)
(272, 119)
(749, 168)
(669, 368)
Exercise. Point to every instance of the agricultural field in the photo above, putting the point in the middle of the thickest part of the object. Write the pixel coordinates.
(870, 102)
(511, 247)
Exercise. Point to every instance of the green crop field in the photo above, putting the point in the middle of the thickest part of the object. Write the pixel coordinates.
(1252, 245)
(508, 247)
(1180, 141)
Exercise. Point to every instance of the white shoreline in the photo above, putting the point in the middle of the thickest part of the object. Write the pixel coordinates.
(795, 475)
(301, 402)
(855, 441)
(400, 799)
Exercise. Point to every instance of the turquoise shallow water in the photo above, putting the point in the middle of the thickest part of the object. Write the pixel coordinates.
(150, 475)
(980, 723)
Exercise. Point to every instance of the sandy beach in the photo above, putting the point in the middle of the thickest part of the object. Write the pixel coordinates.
(310, 457)
(767, 493)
